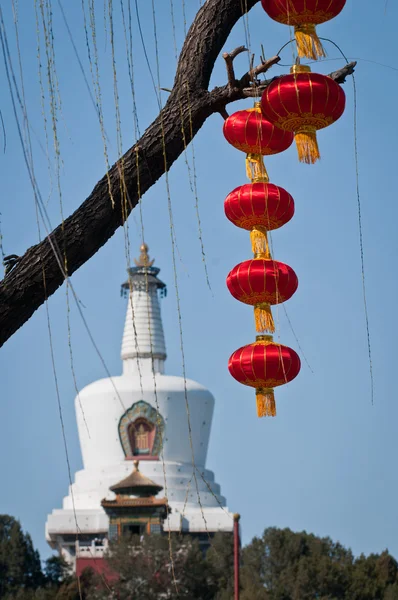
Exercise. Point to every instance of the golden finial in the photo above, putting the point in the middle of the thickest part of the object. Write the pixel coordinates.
(137, 465)
(143, 260)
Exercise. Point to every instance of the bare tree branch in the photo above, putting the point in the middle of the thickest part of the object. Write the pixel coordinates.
(341, 75)
(229, 61)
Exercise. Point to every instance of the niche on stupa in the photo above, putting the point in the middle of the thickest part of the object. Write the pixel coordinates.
(141, 430)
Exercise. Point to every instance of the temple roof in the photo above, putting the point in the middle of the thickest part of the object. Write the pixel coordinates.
(136, 484)
(134, 502)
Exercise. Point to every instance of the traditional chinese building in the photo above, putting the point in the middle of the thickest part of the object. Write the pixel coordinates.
(141, 415)
(135, 510)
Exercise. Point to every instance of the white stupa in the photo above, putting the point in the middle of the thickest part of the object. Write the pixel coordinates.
(141, 414)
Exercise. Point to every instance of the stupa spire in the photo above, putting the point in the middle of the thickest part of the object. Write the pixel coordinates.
(144, 260)
(143, 344)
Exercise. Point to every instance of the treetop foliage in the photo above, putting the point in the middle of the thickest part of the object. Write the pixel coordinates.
(279, 565)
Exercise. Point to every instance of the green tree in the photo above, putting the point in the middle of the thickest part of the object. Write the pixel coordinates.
(56, 570)
(220, 559)
(20, 566)
(147, 571)
(375, 577)
(283, 565)
(89, 586)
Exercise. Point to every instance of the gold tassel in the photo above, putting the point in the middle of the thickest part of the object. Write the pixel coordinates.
(263, 318)
(259, 240)
(307, 146)
(308, 43)
(265, 399)
(255, 169)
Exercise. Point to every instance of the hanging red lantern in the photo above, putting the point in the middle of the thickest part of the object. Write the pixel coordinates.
(304, 15)
(248, 131)
(264, 365)
(303, 102)
(258, 208)
(261, 283)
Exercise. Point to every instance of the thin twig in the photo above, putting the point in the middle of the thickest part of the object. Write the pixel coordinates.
(229, 62)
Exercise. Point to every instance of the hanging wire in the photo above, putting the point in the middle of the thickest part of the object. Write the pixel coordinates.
(360, 229)
(359, 208)
(4, 133)
(29, 156)
(61, 420)
(130, 64)
(120, 162)
(127, 198)
(43, 100)
(213, 494)
(50, 54)
(41, 210)
(185, 504)
(81, 67)
(158, 98)
(39, 204)
(184, 16)
(192, 177)
(172, 235)
(158, 416)
(156, 88)
(97, 88)
(2, 246)
(94, 70)
(361, 245)
(195, 192)
(297, 340)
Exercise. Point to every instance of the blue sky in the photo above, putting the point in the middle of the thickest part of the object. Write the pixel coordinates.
(327, 463)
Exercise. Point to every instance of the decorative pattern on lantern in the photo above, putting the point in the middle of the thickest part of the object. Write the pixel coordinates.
(264, 365)
(259, 207)
(261, 283)
(304, 15)
(303, 102)
(248, 131)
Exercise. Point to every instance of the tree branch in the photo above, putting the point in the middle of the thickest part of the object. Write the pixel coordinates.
(229, 61)
(22, 291)
(341, 75)
(188, 106)
(263, 67)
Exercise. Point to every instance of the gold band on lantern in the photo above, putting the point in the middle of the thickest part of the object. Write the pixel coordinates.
(300, 69)
(264, 339)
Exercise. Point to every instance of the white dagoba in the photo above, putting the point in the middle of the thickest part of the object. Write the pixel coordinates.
(141, 414)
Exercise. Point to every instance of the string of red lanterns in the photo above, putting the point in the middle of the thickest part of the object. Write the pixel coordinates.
(293, 106)
(260, 207)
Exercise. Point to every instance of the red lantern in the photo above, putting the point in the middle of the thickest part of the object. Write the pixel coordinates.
(259, 207)
(304, 15)
(261, 283)
(264, 365)
(248, 131)
(303, 102)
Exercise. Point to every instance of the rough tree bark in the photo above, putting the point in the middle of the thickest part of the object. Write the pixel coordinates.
(190, 103)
